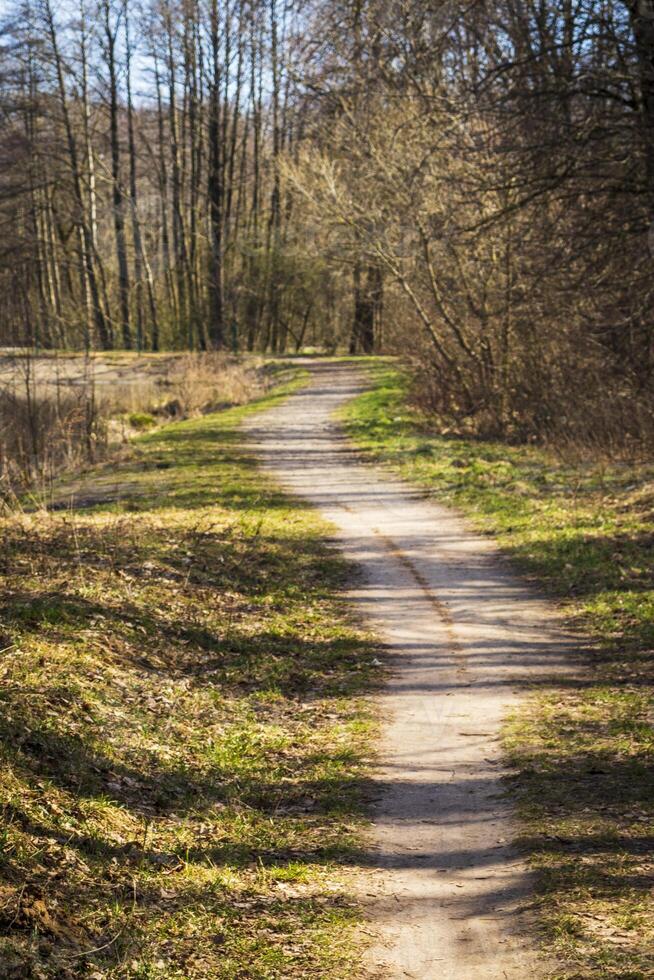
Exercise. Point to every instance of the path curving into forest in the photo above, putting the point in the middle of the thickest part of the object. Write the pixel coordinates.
(448, 896)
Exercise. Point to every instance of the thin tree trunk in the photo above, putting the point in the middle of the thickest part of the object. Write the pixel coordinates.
(215, 192)
(111, 33)
(142, 268)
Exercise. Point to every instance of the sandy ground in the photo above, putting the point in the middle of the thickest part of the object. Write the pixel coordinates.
(448, 896)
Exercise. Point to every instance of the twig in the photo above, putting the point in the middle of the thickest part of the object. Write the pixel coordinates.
(98, 949)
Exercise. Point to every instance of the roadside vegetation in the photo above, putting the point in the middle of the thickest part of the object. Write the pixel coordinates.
(583, 749)
(62, 410)
(183, 723)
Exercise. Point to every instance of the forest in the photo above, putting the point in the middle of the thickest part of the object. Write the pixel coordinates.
(469, 184)
(326, 489)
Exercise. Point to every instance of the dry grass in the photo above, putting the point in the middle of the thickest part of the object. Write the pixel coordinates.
(62, 412)
(206, 382)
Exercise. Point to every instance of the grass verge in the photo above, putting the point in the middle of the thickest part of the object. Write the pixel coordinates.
(182, 724)
(582, 752)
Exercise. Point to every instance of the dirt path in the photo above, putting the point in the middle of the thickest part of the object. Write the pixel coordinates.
(448, 896)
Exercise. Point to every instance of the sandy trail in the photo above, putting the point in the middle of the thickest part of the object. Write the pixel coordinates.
(448, 897)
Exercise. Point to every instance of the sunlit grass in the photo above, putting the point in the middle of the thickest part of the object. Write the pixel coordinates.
(182, 723)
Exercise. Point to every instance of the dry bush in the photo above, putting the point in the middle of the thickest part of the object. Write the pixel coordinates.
(578, 410)
(506, 202)
(198, 383)
(40, 435)
(47, 426)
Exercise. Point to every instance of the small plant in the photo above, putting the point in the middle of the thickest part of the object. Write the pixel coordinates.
(141, 420)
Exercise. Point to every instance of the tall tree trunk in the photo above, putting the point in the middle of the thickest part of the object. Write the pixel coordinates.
(179, 232)
(215, 192)
(111, 34)
(273, 240)
(642, 23)
(142, 268)
(163, 194)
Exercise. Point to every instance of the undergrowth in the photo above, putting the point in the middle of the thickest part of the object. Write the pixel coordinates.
(582, 749)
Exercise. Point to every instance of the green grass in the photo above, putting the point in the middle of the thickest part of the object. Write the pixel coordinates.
(141, 420)
(183, 724)
(582, 751)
